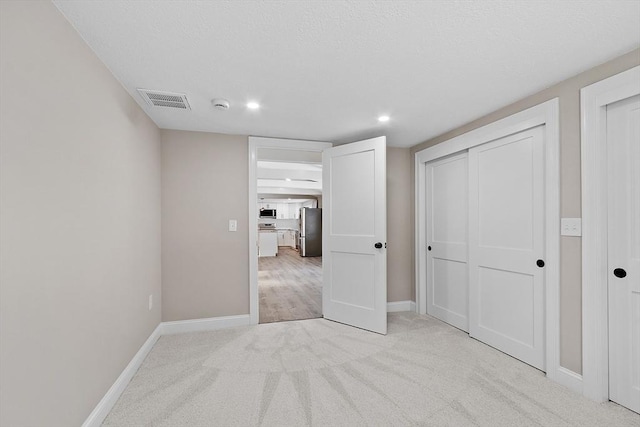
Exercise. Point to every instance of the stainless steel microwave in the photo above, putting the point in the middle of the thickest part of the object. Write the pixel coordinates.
(268, 213)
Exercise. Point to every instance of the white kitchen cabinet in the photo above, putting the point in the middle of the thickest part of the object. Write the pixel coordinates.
(267, 243)
(294, 209)
(290, 239)
(287, 210)
(287, 238)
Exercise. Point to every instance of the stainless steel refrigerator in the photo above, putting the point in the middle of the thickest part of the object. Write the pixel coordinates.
(310, 232)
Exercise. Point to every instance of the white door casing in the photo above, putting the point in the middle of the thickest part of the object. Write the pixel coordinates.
(596, 271)
(506, 239)
(623, 149)
(354, 221)
(446, 217)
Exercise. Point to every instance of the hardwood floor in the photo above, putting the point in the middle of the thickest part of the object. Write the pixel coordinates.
(289, 286)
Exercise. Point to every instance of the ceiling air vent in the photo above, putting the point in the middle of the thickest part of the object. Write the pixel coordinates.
(157, 98)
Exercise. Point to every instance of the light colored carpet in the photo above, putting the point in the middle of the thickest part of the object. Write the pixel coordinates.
(321, 373)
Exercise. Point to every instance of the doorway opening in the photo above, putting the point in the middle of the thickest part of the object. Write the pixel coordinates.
(354, 270)
(287, 206)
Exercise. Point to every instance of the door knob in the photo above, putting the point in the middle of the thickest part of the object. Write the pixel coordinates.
(428, 248)
(540, 263)
(619, 272)
(378, 245)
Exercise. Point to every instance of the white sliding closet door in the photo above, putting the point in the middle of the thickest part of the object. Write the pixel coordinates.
(506, 245)
(446, 216)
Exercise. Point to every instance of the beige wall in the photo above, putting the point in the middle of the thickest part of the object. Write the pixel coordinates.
(568, 92)
(205, 268)
(79, 222)
(399, 226)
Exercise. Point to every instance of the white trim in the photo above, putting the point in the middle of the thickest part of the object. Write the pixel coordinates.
(397, 306)
(421, 233)
(199, 325)
(543, 114)
(569, 379)
(595, 341)
(105, 405)
(256, 142)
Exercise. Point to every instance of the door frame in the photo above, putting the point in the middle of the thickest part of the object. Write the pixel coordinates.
(547, 115)
(595, 336)
(256, 142)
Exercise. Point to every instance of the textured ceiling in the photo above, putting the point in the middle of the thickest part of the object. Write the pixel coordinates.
(325, 70)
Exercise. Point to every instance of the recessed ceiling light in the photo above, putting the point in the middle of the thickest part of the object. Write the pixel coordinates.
(253, 105)
(383, 119)
(287, 179)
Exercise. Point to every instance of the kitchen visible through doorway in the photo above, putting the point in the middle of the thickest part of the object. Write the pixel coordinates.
(289, 211)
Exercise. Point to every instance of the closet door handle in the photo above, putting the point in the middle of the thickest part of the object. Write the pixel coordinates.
(620, 273)
(540, 263)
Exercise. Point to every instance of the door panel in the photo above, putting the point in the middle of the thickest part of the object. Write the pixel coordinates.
(506, 226)
(359, 293)
(353, 210)
(514, 320)
(505, 212)
(450, 290)
(354, 220)
(447, 210)
(623, 146)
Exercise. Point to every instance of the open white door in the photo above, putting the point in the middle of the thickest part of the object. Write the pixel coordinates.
(354, 233)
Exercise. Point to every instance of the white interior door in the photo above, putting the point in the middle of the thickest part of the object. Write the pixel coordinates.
(354, 234)
(506, 241)
(623, 146)
(446, 215)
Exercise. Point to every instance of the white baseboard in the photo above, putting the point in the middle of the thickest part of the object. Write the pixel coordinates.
(105, 405)
(396, 306)
(569, 379)
(199, 325)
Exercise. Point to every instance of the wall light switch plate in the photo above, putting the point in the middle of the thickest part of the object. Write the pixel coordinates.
(233, 225)
(150, 302)
(571, 227)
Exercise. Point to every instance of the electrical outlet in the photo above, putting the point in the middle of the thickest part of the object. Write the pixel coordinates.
(150, 302)
(571, 227)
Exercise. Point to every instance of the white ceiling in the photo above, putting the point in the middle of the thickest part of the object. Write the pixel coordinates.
(289, 178)
(325, 70)
(289, 172)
